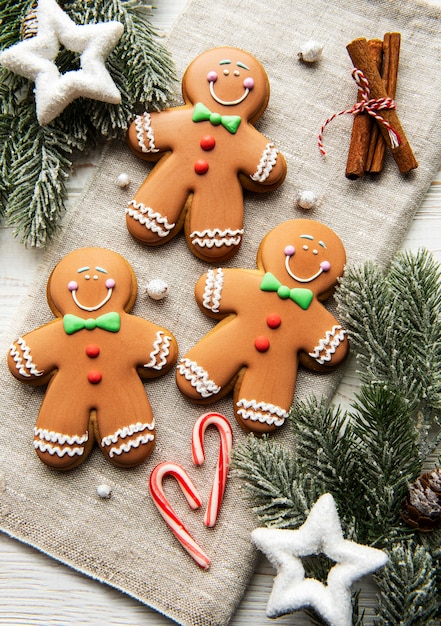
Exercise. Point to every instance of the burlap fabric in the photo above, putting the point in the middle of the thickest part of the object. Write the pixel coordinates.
(123, 541)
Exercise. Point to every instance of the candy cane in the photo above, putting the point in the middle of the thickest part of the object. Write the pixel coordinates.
(223, 460)
(167, 511)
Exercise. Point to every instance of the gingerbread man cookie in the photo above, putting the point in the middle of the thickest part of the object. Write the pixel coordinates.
(208, 151)
(272, 318)
(93, 355)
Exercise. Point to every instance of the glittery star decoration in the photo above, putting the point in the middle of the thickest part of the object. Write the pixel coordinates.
(34, 58)
(320, 534)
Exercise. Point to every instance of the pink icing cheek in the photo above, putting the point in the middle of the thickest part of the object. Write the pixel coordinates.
(212, 77)
(289, 251)
(72, 285)
(325, 265)
(110, 283)
(248, 83)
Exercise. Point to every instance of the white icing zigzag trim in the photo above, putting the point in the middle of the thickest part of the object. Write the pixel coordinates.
(151, 219)
(160, 347)
(127, 431)
(213, 290)
(47, 447)
(133, 443)
(54, 437)
(328, 345)
(27, 368)
(142, 125)
(262, 412)
(198, 378)
(216, 237)
(266, 163)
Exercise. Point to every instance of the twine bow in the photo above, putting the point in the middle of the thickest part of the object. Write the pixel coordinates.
(368, 105)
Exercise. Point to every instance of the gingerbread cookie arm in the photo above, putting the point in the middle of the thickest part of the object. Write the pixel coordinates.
(29, 360)
(155, 349)
(150, 135)
(217, 290)
(265, 167)
(328, 345)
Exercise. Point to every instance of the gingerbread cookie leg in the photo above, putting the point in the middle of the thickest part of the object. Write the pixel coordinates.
(213, 232)
(156, 213)
(62, 438)
(125, 429)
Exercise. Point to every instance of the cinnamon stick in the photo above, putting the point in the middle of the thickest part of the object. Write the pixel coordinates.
(361, 58)
(389, 74)
(362, 127)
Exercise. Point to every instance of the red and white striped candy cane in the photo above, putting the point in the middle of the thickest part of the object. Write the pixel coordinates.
(168, 513)
(223, 460)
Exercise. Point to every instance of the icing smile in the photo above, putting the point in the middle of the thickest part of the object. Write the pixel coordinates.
(248, 83)
(73, 288)
(289, 251)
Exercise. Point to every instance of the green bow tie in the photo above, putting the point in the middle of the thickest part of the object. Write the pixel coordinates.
(202, 114)
(109, 321)
(302, 297)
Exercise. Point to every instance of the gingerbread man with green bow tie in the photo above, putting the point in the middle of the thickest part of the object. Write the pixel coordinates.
(208, 151)
(92, 358)
(271, 319)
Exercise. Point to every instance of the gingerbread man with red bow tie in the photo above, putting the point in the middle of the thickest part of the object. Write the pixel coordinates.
(272, 319)
(93, 355)
(209, 150)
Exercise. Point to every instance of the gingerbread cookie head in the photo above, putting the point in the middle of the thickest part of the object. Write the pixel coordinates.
(93, 355)
(304, 253)
(229, 80)
(90, 281)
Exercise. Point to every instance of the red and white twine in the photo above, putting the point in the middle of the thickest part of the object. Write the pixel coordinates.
(367, 104)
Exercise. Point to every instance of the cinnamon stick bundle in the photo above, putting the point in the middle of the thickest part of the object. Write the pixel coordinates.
(359, 51)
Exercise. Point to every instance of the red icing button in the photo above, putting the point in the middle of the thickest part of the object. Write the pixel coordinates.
(207, 143)
(261, 343)
(92, 350)
(201, 166)
(274, 320)
(94, 377)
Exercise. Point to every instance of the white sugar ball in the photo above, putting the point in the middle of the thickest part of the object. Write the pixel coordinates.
(307, 199)
(311, 51)
(123, 180)
(157, 289)
(104, 491)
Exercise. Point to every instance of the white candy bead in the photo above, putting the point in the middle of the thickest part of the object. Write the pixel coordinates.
(123, 180)
(157, 289)
(311, 51)
(307, 199)
(104, 491)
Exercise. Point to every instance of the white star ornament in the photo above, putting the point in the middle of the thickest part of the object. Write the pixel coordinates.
(320, 534)
(34, 58)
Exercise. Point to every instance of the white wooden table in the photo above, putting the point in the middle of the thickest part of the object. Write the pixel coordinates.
(34, 589)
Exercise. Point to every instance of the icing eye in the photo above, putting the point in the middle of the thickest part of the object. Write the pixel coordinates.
(72, 285)
(315, 252)
(289, 251)
(212, 77)
(86, 276)
(226, 72)
(248, 83)
(236, 73)
(95, 277)
(325, 265)
(110, 283)
(305, 247)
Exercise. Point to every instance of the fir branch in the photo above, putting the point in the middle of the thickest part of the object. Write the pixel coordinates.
(408, 587)
(37, 180)
(269, 473)
(385, 438)
(394, 322)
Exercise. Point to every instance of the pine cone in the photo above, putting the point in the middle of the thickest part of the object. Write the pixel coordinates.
(422, 506)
